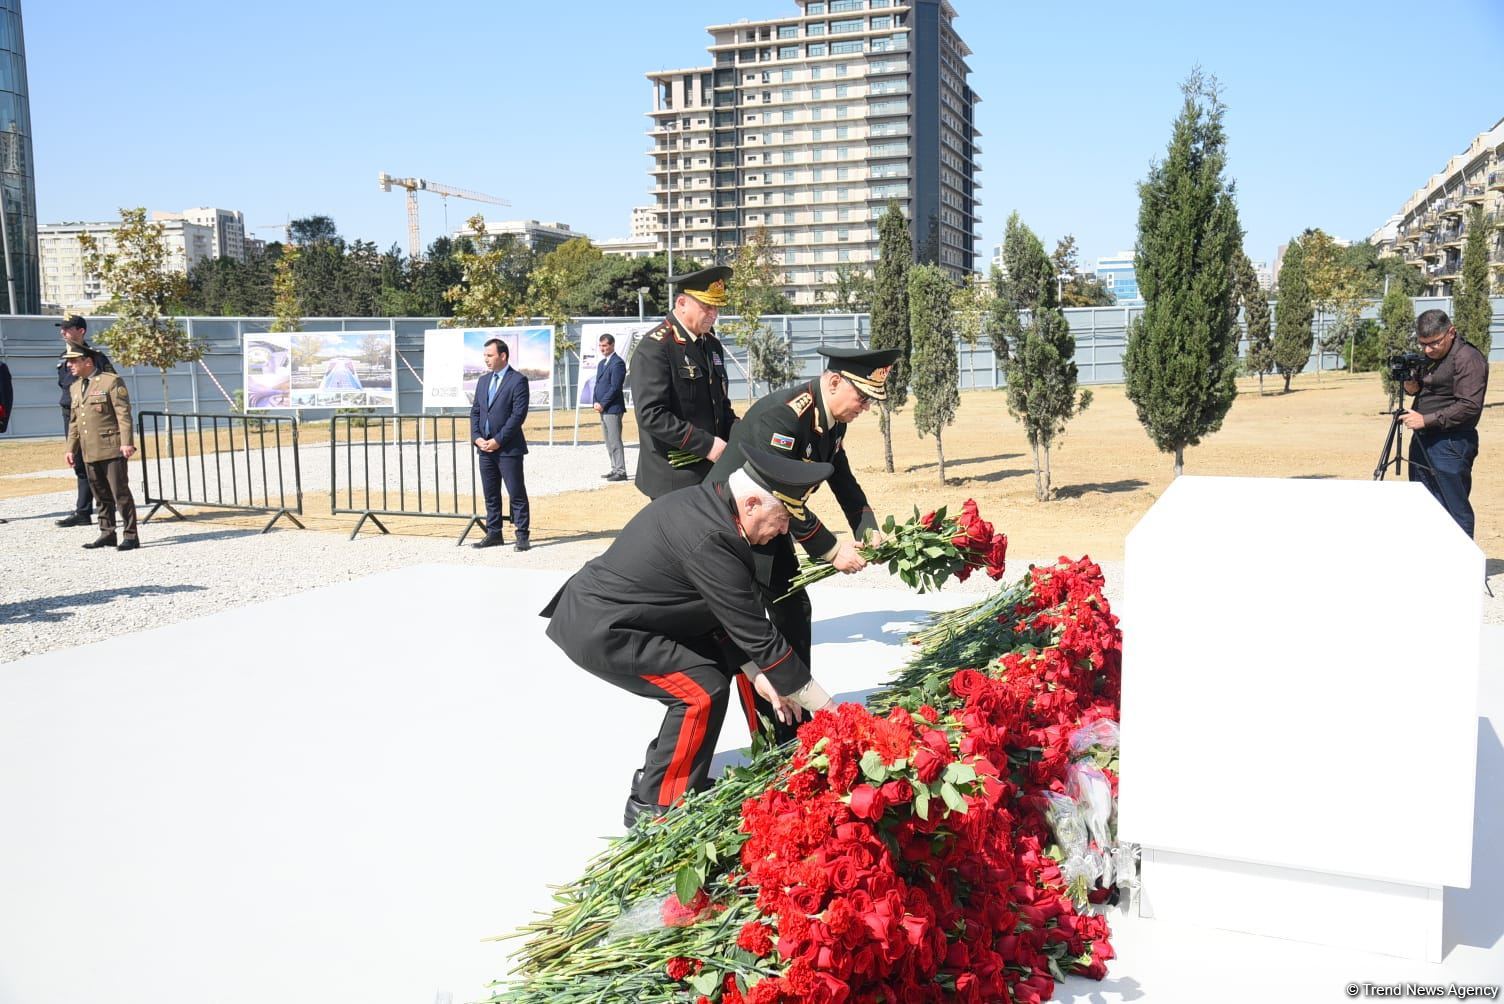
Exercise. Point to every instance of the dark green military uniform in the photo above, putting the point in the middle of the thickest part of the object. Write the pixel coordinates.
(680, 393)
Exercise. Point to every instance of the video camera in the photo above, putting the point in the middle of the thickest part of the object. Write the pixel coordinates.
(1407, 366)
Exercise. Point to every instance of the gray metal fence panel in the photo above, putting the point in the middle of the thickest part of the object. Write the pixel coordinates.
(31, 345)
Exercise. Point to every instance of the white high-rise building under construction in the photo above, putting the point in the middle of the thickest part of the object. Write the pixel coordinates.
(809, 125)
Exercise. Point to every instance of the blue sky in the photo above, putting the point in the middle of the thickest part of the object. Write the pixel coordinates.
(1337, 109)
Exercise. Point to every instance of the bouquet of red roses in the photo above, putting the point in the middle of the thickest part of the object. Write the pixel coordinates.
(926, 550)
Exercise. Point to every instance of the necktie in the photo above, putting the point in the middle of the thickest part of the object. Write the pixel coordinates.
(491, 394)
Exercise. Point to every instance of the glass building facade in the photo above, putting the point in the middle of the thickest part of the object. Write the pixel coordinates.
(21, 293)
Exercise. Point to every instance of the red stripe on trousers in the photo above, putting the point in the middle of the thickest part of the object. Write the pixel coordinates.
(691, 733)
(749, 702)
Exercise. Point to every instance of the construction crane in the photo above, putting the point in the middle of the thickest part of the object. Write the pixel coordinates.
(416, 185)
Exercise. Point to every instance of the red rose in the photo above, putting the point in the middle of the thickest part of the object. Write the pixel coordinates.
(867, 802)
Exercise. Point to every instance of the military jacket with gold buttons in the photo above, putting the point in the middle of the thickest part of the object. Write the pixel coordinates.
(680, 395)
(793, 422)
(100, 422)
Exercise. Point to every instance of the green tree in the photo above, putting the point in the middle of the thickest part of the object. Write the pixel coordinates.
(934, 374)
(1077, 290)
(288, 307)
(1336, 289)
(137, 274)
(1255, 302)
(753, 292)
(1471, 311)
(1372, 269)
(313, 230)
(1039, 366)
(851, 293)
(1396, 332)
(1181, 359)
(488, 293)
(890, 314)
(1293, 337)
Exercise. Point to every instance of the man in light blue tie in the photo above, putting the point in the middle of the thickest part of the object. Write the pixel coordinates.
(496, 417)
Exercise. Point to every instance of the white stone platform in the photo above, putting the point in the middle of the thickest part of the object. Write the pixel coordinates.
(335, 796)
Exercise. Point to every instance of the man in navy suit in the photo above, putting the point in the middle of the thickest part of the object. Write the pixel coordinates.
(496, 417)
(611, 405)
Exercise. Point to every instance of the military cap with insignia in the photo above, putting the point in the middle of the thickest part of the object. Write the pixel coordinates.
(72, 321)
(791, 481)
(708, 285)
(867, 369)
(78, 352)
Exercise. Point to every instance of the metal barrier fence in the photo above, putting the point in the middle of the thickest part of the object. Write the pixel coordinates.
(412, 465)
(208, 465)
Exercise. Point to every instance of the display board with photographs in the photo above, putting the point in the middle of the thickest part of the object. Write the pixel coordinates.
(453, 363)
(319, 369)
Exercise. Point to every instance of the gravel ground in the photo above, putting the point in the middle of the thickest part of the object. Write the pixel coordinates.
(54, 594)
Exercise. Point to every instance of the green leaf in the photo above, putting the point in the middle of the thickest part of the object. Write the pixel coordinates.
(873, 767)
(952, 798)
(707, 983)
(957, 772)
(921, 803)
(711, 854)
(686, 884)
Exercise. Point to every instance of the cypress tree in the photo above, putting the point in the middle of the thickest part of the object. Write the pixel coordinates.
(1256, 318)
(890, 314)
(1471, 312)
(1292, 315)
(934, 371)
(1181, 360)
(1396, 332)
(1039, 353)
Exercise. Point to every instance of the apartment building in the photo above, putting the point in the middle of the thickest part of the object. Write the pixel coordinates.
(1433, 223)
(809, 125)
(67, 287)
(227, 228)
(535, 235)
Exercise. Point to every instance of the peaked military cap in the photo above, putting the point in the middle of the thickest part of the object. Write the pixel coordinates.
(708, 285)
(791, 481)
(867, 369)
(81, 352)
(72, 321)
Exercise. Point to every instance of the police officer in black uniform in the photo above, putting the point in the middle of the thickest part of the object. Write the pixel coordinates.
(808, 422)
(658, 612)
(75, 331)
(679, 388)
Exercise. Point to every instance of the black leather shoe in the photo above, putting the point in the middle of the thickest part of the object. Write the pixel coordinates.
(77, 519)
(107, 540)
(522, 543)
(490, 540)
(128, 544)
(616, 477)
(635, 809)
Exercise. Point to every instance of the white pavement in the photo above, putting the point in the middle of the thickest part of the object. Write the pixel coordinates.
(334, 796)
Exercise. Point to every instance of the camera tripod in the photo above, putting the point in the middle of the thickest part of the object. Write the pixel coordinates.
(1393, 439)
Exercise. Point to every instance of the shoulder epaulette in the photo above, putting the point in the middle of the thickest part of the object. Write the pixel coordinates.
(801, 403)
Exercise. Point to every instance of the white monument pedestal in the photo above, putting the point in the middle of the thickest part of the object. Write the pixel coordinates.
(1300, 722)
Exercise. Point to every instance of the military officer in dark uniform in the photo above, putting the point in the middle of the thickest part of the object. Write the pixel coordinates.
(658, 613)
(808, 422)
(679, 388)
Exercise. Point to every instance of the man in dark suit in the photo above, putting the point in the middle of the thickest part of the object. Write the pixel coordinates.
(659, 612)
(75, 332)
(496, 417)
(611, 405)
(679, 388)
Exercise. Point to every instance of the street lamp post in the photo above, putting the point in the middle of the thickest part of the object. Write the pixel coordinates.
(641, 290)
